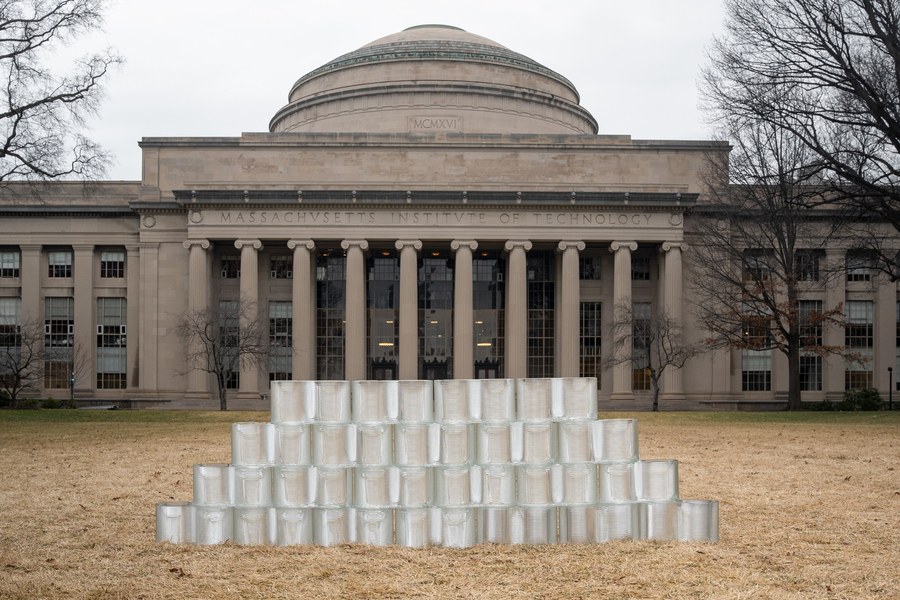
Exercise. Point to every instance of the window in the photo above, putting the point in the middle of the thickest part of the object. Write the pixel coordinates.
(9, 263)
(641, 348)
(859, 265)
(859, 337)
(282, 267)
(59, 341)
(540, 290)
(591, 330)
(488, 291)
(281, 340)
(330, 285)
(112, 265)
(383, 315)
(756, 265)
(231, 267)
(111, 359)
(10, 337)
(436, 316)
(806, 265)
(640, 269)
(756, 356)
(589, 268)
(810, 335)
(229, 329)
(60, 264)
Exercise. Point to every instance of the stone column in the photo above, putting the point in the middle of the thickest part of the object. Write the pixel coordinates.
(355, 310)
(132, 316)
(303, 309)
(149, 320)
(885, 322)
(517, 309)
(408, 353)
(568, 325)
(85, 347)
(622, 373)
(463, 315)
(833, 366)
(198, 303)
(31, 274)
(249, 388)
(673, 287)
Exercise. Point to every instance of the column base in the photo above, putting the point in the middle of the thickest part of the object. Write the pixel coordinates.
(196, 395)
(621, 397)
(242, 395)
(671, 397)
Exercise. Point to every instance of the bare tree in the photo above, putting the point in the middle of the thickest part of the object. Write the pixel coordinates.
(651, 341)
(756, 248)
(222, 338)
(75, 360)
(42, 114)
(827, 72)
(21, 357)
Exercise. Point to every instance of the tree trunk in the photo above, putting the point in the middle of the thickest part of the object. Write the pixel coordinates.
(793, 356)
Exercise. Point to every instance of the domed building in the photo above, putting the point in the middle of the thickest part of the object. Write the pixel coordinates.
(431, 205)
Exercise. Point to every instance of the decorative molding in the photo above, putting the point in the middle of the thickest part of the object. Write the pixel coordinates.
(362, 244)
(676, 219)
(615, 246)
(511, 244)
(256, 244)
(566, 244)
(457, 244)
(310, 245)
(148, 221)
(666, 246)
(202, 243)
(400, 244)
(195, 216)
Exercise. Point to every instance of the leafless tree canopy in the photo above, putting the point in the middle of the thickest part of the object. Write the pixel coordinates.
(827, 72)
(21, 357)
(42, 113)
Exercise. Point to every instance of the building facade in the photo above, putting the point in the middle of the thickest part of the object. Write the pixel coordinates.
(432, 205)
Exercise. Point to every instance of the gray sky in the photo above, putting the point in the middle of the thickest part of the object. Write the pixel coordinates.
(219, 68)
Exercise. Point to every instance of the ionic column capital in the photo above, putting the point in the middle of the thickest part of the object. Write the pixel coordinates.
(30, 247)
(255, 244)
(666, 246)
(457, 244)
(401, 244)
(361, 244)
(566, 244)
(615, 246)
(202, 243)
(310, 245)
(510, 245)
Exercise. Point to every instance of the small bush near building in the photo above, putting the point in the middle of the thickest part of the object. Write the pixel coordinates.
(51, 403)
(5, 399)
(864, 399)
(31, 404)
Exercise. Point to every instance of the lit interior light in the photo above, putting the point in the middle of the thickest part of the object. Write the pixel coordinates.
(385, 343)
(435, 253)
(385, 253)
(483, 344)
(478, 322)
(434, 322)
(388, 321)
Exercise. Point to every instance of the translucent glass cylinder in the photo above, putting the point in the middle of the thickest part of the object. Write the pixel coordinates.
(457, 400)
(578, 524)
(213, 485)
(292, 444)
(453, 486)
(579, 483)
(375, 527)
(498, 485)
(616, 440)
(413, 527)
(576, 441)
(659, 520)
(457, 444)
(374, 444)
(213, 525)
(494, 443)
(415, 400)
(698, 521)
(617, 482)
(617, 522)
(533, 525)
(333, 401)
(656, 480)
(416, 486)
(175, 522)
(292, 486)
(252, 526)
(251, 444)
(535, 485)
(374, 401)
(498, 400)
(331, 526)
(494, 525)
(411, 444)
(293, 401)
(331, 445)
(579, 397)
(534, 399)
(539, 442)
(293, 526)
(458, 527)
(334, 487)
(373, 487)
(253, 486)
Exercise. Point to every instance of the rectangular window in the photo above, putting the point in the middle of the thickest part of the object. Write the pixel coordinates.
(282, 267)
(436, 316)
(59, 341)
(806, 264)
(11, 360)
(331, 275)
(112, 265)
(488, 290)
(281, 340)
(591, 334)
(231, 267)
(810, 335)
(756, 370)
(640, 269)
(859, 265)
(9, 263)
(859, 337)
(541, 279)
(756, 265)
(383, 316)
(60, 264)
(641, 346)
(229, 329)
(111, 361)
(589, 268)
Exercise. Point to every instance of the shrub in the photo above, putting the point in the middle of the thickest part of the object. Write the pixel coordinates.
(864, 399)
(68, 403)
(51, 403)
(5, 399)
(824, 405)
(31, 403)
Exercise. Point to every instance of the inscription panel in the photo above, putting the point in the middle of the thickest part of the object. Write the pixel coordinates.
(445, 123)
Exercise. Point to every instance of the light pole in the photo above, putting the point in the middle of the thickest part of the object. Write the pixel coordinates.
(890, 388)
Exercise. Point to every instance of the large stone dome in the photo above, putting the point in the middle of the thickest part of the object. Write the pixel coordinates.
(432, 79)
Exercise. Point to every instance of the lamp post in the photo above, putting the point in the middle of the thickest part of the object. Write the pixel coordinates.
(890, 388)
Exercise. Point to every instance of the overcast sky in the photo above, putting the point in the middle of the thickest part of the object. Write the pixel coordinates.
(220, 68)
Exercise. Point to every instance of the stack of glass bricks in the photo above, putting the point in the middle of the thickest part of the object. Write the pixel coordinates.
(450, 463)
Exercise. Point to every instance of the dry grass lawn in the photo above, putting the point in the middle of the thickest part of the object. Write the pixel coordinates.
(809, 508)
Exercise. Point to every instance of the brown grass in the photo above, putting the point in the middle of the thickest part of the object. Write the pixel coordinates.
(808, 509)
